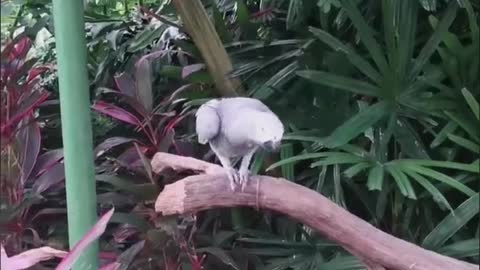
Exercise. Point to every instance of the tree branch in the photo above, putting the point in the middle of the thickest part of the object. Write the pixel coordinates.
(202, 31)
(211, 190)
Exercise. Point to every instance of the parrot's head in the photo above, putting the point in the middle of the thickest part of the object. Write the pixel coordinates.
(268, 131)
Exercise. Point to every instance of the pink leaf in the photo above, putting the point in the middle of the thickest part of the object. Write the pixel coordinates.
(143, 83)
(123, 232)
(29, 138)
(188, 70)
(131, 100)
(263, 15)
(125, 84)
(27, 106)
(116, 112)
(35, 72)
(109, 144)
(88, 238)
(29, 258)
(21, 48)
(46, 160)
(111, 266)
(130, 158)
(53, 176)
(104, 255)
(49, 211)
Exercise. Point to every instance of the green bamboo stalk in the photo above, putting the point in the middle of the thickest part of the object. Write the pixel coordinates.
(76, 125)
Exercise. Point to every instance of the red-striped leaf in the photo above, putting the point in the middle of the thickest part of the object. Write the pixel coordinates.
(46, 161)
(116, 112)
(125, 84)
(37, 71)
(29, 258)
(88, 238)
(109, 144)
(25, 108)
(53, 176)
(29, 139)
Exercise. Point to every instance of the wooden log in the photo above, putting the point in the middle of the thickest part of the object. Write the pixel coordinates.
(212, 190)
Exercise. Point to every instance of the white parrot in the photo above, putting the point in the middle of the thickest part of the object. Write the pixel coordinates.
(236, 127)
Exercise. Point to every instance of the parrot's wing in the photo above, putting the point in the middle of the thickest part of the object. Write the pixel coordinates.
(237, 123)
(207, 121)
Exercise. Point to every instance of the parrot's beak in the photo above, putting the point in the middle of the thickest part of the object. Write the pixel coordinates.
(271, 146)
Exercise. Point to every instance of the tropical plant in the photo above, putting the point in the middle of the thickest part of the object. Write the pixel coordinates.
(26, 171)
(379, 99)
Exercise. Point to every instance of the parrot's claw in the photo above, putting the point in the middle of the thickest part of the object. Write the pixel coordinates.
(244, 177)
(234, 178)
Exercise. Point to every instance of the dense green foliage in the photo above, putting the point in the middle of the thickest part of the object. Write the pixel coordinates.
(380, 100)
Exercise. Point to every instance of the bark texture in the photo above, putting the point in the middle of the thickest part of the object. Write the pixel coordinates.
(210, 189)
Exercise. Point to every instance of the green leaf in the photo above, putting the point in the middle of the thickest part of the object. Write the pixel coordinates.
(366, 35)
(442, 135)
(407, 27)
(452, 223)
(257, 162)
(358, 61)
(285, 74)
(357, 124)
(296, 159)
(145, 191)
(338, 195)
(337, 158)
(375, 178)
(277, 242)
(145, 38)
(383, 200)
(302, 138)
(294, 13)
(471, 102)
(469, 127)
(355, 169)
(390, 21)
(275, 252)
(220, 24)
(126, 258)
(402, 181)
(221, 237)
(342, 262)
(256, 45)
(467, 144)
(442, 178)
(431, 45)
(471, 167)
(339, 82)
(436, 194)
(409, 140)
(243, 17)
(429, 5)
(286, 151)
(220, 254)
(287, 263)
(462, 249)
(132, 219)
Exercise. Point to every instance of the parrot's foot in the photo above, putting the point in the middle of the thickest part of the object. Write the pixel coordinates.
(244, 175)
(238, 178)
(234, 177)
